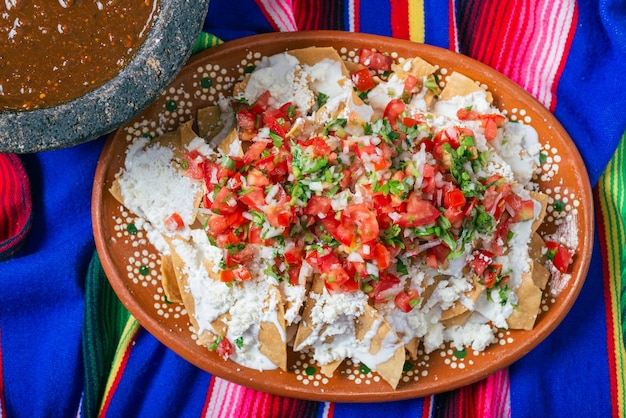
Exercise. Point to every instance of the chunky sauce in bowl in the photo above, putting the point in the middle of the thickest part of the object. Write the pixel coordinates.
(57, 50)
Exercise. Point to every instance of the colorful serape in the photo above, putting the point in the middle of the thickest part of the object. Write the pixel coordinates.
(68, 348)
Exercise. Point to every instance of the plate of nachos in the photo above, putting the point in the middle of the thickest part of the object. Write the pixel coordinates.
(345, 217)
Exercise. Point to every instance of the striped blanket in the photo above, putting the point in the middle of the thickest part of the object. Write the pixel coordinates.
(69, 348)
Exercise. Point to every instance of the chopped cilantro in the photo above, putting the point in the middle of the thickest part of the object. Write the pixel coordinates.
(239, 342)
(321, 99)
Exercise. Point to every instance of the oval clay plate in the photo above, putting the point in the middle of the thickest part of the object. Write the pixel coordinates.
(133, 265)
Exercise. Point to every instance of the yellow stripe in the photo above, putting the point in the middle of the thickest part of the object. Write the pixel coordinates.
(612, 204)
(130, 330)
(416, 21)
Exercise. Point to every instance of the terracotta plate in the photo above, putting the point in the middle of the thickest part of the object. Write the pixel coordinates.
(132, 265)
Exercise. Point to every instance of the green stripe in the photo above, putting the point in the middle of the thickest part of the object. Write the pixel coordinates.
(204, 41)
(103, 325)
(613, 203)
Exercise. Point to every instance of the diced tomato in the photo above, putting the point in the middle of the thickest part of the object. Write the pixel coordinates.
(226, 239)
(431, 260)
(409, 84)
(500, 235)
(455, 216)
(257, 178)
(262, 103)
(254, 151)
(338, 279)
(243, 256)
(394, 109)
(407, 300)
(174, 222)
(268, 164)
(319, 206)
(525, 212)
(295, 255)
(382, 256)
(467, 114)
(360, 219)
(386, 281)
(418, 212)
(225, 201)
(254, 235)
(278, 215)
(375, 60)
(319, 146)
(224, 349)
(454, 198)
(217, 225)
(561, 257)
(246, 120)
(490, 124)
(271, 120)
(194, 162)
(254, 197)
(363, 80)
(480, 261)
(242, 273)
(490, 275)
(294, 275)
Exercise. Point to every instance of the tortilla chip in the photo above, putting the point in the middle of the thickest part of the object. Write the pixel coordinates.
(305, 328)
(116, 191)
(209, 121)
(178, 140)
(460, 85)
(390, 370)
(419, 68)
(456, 320)
(528, 305)
(270, 337)
(411, 348)
(168, 279)
(543, 200)
(313, 55)
(329, 368)
(458, 308)
(225, 145)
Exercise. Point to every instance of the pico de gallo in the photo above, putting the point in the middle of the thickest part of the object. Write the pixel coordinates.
(358, 200)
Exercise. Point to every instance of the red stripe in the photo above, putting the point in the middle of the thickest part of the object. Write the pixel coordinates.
(608, 303)
(399, 19)
(452, 27)
(331, 410)
(568, 44)
(209, 394)
(118, 377)
(267, 16)
(357, 17)
(427, 407)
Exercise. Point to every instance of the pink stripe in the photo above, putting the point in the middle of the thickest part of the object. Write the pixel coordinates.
(281, 12)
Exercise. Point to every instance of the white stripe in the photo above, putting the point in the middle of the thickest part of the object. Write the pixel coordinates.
(325, 409)
(281, 12)
(548, 49)
(351, 16)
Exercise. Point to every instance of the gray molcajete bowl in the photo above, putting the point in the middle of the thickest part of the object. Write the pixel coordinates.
(165, 50)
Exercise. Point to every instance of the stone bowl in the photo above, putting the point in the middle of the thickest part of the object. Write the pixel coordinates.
(163, 53)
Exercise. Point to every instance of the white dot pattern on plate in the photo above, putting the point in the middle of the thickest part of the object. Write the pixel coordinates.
(210, 83)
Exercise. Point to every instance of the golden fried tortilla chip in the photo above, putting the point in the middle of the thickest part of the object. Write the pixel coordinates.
(209, 121)
(270, 337)
(543, 200)
(460, 85)
(169, 280)
(417, 67)
(528, 304)
(385, 339)
(459, 308)
(314, 55)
